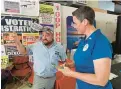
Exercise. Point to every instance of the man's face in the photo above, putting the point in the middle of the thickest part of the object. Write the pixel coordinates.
(79, 26)
(47, 37)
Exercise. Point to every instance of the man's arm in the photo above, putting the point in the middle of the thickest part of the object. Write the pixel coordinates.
(63, 56)
(19, 46)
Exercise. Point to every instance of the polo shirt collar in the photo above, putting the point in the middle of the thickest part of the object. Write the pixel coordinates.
(94, 34)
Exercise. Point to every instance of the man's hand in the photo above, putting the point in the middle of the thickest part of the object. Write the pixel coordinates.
(16, 39)
(69, 64)
(65, 70)
(19, 45)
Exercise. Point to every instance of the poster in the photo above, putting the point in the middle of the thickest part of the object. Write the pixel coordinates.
(72, 35)
(9, 40)
(11, 7)
(57, 27)
(29, 38)
(46, 14)
(3, 50)
(9, 43)
(2, 41)
(29, 7)
(11, 50)
(4, 61)
(16, 24)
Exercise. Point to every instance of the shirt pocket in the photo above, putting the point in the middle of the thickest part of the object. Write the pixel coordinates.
(55, 57)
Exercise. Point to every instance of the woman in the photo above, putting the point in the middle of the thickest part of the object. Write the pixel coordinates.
(93, 55)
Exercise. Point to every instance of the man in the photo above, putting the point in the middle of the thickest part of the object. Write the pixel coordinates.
(93, 55)
(46, 54)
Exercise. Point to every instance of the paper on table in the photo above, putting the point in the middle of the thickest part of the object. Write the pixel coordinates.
(112, 76)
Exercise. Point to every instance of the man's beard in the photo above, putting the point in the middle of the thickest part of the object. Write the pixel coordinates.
(48, 43)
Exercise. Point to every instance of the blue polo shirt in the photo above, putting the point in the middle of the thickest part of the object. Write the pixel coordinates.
(96, 46)
(44, 58)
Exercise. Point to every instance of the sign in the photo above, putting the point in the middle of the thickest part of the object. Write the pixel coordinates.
(11, 7)
(46, 14)
(4, 61)
(29, 38)
(36, 27)
(29, 7)
(15, 24)
(57, 29)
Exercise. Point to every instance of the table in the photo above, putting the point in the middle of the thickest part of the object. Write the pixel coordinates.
(64, 82)
(116, 82)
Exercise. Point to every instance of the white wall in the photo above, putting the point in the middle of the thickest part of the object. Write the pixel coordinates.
(106, 22)
(66, 11)
(93, 3)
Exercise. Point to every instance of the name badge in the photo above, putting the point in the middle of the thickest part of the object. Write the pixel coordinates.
(85, 47)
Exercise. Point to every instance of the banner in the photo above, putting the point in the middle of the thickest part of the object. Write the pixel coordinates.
(29, 8)
(4, 61)
(46, 14)
(29, 38)
(72, 35)
(57, 26)
(11, 7)
(16, 24)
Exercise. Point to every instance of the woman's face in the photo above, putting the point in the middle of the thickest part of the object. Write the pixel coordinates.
(79, 26)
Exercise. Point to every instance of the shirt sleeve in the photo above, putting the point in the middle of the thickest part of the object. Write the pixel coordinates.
(62, 53)
(29, 49)
(102, 49)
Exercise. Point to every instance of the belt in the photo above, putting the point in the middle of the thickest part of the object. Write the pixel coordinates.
(43, 76)
(46, 77)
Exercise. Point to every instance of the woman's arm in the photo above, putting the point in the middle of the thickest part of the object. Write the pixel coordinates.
(102, 71)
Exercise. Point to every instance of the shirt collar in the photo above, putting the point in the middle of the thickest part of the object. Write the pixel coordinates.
(94, 34)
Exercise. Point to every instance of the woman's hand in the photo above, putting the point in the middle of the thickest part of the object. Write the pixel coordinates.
(69, 64)
(65, 70)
